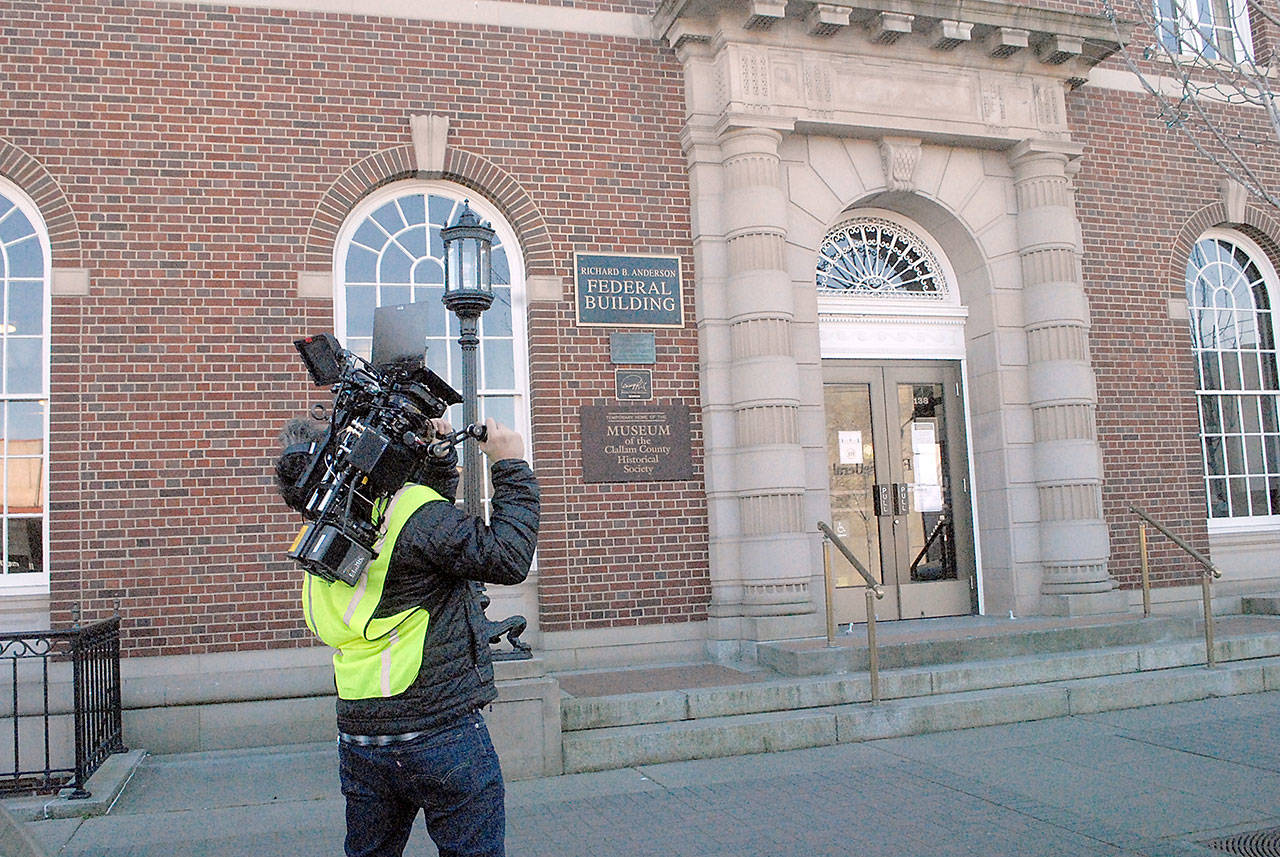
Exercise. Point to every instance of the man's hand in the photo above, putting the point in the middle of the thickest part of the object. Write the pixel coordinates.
(502, 442)
(442, 427)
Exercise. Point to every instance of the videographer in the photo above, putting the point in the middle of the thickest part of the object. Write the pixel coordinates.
(413, 668)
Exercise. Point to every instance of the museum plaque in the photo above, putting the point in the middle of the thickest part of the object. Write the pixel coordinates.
(628, 291)
(635, 443)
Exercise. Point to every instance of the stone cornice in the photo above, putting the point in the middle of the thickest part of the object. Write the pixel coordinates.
(1063, 44)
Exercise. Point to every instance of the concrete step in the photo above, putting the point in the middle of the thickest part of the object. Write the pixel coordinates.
(731, 735)
(785, 694)
(965, 640)
(1267, 604)
(605, 732)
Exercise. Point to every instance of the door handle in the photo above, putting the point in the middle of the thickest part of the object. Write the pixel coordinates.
(882, 500)
(901, 502)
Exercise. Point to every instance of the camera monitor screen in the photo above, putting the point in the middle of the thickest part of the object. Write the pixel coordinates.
(400, 335)
(320, 353)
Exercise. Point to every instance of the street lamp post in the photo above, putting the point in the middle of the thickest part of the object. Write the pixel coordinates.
(468, 292)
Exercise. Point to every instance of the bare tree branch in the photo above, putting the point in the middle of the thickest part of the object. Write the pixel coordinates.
(1202, 59)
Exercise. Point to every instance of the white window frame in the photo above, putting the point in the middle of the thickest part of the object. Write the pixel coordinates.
(33, 583)
(1184, 24)
(1239, 523)
(515, 264)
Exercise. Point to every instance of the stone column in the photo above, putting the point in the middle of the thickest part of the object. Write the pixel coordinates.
(760, 550)
(1074, 544)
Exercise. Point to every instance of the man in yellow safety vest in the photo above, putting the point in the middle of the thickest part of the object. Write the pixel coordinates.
(412, 665)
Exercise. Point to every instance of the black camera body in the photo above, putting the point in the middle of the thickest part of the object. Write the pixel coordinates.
(379, 432)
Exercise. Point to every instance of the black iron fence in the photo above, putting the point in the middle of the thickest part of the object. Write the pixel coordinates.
(63, 706)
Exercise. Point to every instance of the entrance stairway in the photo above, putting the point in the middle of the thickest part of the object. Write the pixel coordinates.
(935, 674)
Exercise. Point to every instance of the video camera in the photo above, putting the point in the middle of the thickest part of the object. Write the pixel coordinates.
(379, 432)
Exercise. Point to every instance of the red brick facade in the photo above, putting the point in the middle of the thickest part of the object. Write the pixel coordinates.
(193, 146)
(1144, 196)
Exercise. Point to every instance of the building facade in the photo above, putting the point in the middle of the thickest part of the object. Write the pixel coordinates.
(927, 272)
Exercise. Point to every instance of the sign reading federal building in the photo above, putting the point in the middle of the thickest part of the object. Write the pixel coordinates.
(628, 291)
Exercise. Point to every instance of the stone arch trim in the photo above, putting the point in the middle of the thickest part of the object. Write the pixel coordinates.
(369, 174)
(460, 166)
(1261, 226)
(39, 184)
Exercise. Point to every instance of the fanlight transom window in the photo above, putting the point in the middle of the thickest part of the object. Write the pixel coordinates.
(1229, 294)
(872, 256)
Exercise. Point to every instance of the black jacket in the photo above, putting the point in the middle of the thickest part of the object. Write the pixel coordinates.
(437, 556)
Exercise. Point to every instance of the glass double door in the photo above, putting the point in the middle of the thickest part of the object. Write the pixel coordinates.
(899, 482)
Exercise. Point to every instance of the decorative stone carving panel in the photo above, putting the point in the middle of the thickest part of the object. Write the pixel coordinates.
(889, 337)
(848, 91)
(1058, 342)
(766, 424)
(756, 251)
(1070, 502)
(770, 514)
(760, 337)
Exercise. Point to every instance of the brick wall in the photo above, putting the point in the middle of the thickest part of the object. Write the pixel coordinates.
(1144, 196)
(193, 144)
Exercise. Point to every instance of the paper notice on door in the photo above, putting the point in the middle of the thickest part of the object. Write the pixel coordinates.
(928, 498)
(850, 447)
(927, 465)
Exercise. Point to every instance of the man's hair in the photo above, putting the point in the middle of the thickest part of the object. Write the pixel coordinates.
(296, 441)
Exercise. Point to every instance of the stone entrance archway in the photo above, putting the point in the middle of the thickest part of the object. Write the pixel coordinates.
(787, 129)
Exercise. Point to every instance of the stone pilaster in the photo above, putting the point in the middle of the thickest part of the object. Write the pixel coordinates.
(1074, 543)
(760, 556)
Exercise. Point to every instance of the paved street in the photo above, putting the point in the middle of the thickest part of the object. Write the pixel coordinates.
(1150, 781)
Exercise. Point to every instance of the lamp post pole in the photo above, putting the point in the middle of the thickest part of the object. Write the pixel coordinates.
(472, 466)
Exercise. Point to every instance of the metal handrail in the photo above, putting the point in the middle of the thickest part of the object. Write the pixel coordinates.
(853, 560)
(1209, 574)
(873, 590)
(939, 529)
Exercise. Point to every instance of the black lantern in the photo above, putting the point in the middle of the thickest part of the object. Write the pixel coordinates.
(468, 273)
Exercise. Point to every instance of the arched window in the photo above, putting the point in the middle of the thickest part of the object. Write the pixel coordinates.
(1230, 289)
(24, 389)
(873, 256)
(389, 252)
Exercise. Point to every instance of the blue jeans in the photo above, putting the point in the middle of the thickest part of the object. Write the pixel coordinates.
(452, 775)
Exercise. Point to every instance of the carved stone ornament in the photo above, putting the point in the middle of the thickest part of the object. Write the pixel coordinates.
(1234, 197)
(900, 156)
(430, 140)
(826, 19)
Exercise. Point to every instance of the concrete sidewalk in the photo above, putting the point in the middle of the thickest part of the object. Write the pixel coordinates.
(1150, 781)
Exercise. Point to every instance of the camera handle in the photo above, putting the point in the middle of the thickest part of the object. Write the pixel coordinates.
(440, 447)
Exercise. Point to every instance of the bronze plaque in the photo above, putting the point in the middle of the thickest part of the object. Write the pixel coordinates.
(632, 348)
(636, 443)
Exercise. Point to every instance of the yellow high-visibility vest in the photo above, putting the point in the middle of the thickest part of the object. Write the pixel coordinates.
(375, 657)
